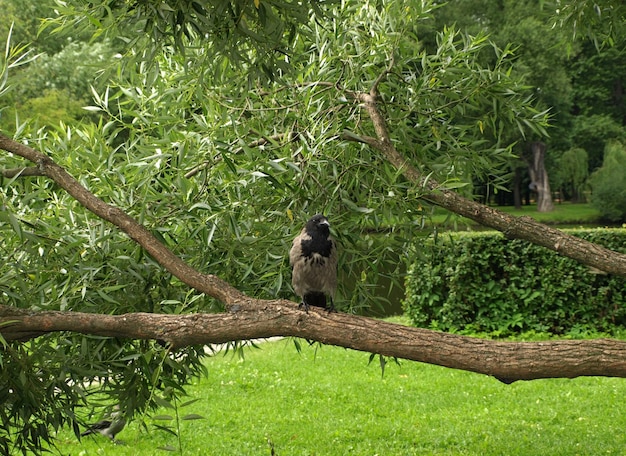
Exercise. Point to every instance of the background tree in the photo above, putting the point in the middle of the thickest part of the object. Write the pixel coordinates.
(539, 181)
(23, 19)
(573, 173)
(540, 62)
(599, 105)
(57, 82)
(588, 19)
(609, 184)
(579, 81)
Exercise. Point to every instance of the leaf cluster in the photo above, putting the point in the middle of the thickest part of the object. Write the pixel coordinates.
(50, 389)
(256, 35)
(573, 173)
(598, 21)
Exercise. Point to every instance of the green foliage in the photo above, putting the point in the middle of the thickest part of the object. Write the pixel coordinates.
(598, 84)
(58, 257)
(52, 107)
(609, 184)
(22, 18)
(214, 164)
(580, 83)
(527, 30)
(257, 35)
(540, 50)
(572, 174)
(11, 59)
(51, 89)
(593, 133)
(599, 102)
(598, 21)
(482, 282)
(41, 390)
(77, 68)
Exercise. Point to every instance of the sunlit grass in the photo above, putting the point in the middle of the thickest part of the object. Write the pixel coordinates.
(563, 214)
(329, 401)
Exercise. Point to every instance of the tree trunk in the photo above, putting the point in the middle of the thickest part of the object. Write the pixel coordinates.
(539, 177)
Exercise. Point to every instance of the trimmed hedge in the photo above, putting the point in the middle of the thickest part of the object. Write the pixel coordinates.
(483, 282)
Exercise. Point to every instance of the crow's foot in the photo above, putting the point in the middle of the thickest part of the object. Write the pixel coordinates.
(304, 305)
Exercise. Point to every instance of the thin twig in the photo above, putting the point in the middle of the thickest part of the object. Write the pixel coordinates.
(256, 143)
(381, 76)
(22, 172)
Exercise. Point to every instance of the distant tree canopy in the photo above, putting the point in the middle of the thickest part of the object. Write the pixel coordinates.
(580, 81)
(572, 173)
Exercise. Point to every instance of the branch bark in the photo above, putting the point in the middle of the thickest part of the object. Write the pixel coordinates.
(205, 283)
(507, 361)
(22, 172)
(524, 228)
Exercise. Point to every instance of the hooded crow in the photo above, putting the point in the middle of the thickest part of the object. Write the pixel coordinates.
(108, 427)
(313, 259)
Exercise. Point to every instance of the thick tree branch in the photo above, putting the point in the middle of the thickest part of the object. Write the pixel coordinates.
(507, 361)
(205, 283)
(513, 227)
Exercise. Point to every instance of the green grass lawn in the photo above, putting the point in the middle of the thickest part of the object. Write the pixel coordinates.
(563, 214)
(329, 401)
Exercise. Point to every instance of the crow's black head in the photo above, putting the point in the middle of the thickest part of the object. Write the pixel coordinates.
(318, 225)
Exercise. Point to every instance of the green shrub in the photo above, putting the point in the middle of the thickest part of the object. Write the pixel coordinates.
(609, 183)
(482, 282)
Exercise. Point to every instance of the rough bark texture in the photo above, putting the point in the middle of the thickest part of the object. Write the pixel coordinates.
(507, 361)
